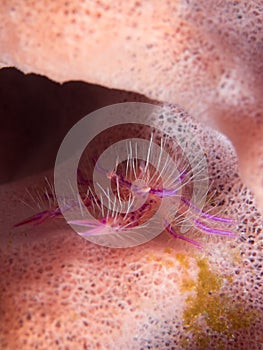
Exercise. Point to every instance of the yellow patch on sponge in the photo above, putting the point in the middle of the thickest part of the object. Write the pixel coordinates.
(207, 306)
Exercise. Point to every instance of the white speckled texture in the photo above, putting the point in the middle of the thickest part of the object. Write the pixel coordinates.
(60, 292)
(204, 56)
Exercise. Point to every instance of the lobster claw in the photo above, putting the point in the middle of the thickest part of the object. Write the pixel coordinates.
(38, 218)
